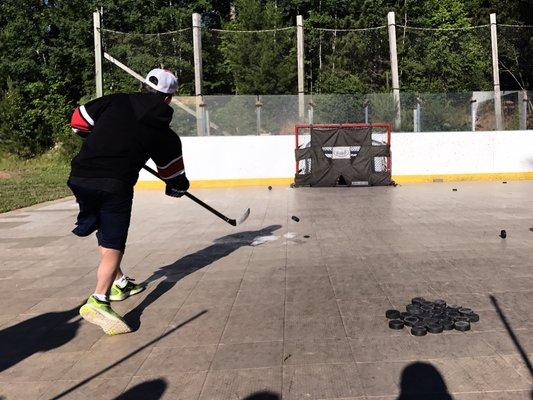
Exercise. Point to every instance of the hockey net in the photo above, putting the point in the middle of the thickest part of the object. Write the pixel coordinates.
(381, 136)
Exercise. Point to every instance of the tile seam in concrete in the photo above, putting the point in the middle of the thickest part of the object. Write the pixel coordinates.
(228, 317)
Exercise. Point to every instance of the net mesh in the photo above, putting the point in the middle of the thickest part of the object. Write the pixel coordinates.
(254, 62)
(142, 52)
(515, 54)
(438, 60)
(380, 136)
(347, 61)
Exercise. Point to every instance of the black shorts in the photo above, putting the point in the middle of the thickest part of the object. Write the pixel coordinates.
(105, 212)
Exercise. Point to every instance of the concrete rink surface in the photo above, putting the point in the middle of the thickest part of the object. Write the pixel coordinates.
(276, 308)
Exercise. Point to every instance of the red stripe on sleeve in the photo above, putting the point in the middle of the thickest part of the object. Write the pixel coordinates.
(172, 169)
(78, 122)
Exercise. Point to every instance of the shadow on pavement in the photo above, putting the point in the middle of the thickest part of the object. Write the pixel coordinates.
(179, 269)
(38, 334)
(263, 395)
(512, 335)
(422, 381)
(149, 390)
(126, 357)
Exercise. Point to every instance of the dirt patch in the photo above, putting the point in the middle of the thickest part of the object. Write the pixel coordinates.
(5, 175)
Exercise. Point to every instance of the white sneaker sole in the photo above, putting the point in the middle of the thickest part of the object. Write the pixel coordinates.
(110, 325)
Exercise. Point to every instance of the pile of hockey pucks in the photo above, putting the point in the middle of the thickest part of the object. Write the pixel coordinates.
(424, 316)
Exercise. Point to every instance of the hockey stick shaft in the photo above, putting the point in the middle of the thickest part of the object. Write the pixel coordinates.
(196, 200)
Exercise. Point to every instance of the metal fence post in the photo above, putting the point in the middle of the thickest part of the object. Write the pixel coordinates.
(258, 106)
(522, 107)
(300, 56)
(197, 49)
(496, 72)
(473, 113)
(98, 54)
(391, 22)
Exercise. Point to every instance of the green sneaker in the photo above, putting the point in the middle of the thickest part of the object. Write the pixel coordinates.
(119, 294)
(100, 313)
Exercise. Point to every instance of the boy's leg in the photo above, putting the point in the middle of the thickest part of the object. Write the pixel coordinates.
(114, 219)
(108, 270)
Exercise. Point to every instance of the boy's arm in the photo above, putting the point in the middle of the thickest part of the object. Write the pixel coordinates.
(85, 116)
(168, 158)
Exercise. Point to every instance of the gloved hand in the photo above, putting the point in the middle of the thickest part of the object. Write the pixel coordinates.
(177, 187)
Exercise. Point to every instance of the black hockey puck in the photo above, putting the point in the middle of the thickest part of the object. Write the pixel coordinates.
(418, 331)
(435, 328)
(465, 311)
(270, 188)
(473, 317)
(410, 321)
(396, 324)
(439, 303)
(462, 326)
(447, 324)
(412, 309)
(503, 234)
(463, 318)
(404, 315)
(392, 314)
(295, 218)
(454, 189)
(417, 300)
(430, 321)
(307, 236)
(504, 182)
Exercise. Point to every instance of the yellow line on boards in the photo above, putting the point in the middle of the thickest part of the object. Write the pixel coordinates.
(218, 183)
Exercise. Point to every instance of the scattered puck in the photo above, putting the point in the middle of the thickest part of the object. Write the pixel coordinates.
(435, 328)
(410, 321)
(392, 314)
(270, 188)
(439, 303)
(503, 234)
(465, 311)
(404, 315)
(455, 190)
(504, 182)
(448, 325)
(531, 229)
(295, 218)
(462, 326)
(463, 318)
(419, 324)
(396, 324)
(473, 317)
(307, 236)
(418, 331)
(430, 321)
(417, 300)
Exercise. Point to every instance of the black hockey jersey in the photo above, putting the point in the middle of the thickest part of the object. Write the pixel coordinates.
(121, 132)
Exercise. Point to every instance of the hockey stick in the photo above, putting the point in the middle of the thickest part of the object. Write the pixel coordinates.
(207, 206)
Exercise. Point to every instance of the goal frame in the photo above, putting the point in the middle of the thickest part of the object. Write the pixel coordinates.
(387, 126)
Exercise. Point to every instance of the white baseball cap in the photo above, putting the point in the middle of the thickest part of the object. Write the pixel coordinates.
(164, 82)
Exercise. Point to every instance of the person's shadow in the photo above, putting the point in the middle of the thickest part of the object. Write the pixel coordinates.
(422, 381)
(263, 395)
(179, 269)
(38, 334)
(149, 390)
(55, 329)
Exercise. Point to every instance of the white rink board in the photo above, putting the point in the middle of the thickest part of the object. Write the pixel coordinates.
(421, 153)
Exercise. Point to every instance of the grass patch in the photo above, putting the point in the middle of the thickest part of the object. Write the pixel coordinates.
(27, 182)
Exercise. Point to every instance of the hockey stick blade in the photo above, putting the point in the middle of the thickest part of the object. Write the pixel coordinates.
(244, 217)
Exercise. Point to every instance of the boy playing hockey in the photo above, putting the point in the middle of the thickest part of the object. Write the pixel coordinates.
(121, 132)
